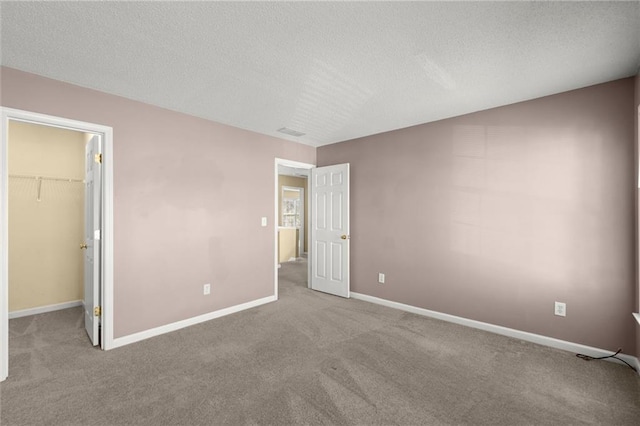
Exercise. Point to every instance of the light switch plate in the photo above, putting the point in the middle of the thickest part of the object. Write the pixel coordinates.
(264, 221)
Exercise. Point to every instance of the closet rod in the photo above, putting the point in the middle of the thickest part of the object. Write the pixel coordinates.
(47, 178)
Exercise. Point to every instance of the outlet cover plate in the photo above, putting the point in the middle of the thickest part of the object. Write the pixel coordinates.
(560, 309)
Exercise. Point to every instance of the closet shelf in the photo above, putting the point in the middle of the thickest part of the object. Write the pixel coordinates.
(58, 179)
(39, 180)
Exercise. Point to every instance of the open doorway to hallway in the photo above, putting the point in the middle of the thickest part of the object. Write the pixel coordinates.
(292, 224)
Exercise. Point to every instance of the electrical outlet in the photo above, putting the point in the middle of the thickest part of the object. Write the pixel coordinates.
(381, 278)
(560, 309)
(206, 289)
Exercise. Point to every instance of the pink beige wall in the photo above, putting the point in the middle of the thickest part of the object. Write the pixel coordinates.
(490, 216)
(182, 213)
(495, 215)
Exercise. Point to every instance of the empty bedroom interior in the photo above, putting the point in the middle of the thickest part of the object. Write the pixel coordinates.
(488, 217)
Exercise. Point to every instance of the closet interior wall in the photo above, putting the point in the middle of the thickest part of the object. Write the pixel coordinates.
(46, 216)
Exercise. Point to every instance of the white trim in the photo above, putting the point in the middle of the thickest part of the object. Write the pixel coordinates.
(636, 364)
(44, 309)
(147, 334)
(4, 249)
(298, 165)
(497, 329)
(107, 241)
(107, 221)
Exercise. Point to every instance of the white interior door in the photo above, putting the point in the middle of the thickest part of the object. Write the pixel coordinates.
(330, 229)
(91, 245)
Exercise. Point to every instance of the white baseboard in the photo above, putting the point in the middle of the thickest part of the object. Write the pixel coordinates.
(497, 329)
(44, 309)
(143, 335)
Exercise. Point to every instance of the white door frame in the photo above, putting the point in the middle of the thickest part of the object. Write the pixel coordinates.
(298, 165)
(107, 222)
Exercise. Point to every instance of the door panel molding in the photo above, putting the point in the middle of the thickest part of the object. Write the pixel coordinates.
(330, 229)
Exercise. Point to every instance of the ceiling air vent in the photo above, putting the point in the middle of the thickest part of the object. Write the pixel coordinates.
(290, 132)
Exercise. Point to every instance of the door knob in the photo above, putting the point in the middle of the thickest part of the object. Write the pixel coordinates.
(83, 246)
(344, 237)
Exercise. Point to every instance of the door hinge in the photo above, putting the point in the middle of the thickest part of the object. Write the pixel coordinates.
(97, 311)
(98, 158)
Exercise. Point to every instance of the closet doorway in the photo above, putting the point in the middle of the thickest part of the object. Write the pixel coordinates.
(46, 217)
(56, 250)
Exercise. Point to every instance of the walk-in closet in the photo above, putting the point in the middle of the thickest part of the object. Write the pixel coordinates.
(46, 218)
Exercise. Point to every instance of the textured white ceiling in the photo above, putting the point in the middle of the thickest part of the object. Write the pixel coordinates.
(334, 71)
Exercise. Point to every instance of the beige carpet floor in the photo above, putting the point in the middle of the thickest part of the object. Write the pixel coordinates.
(309, 358)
